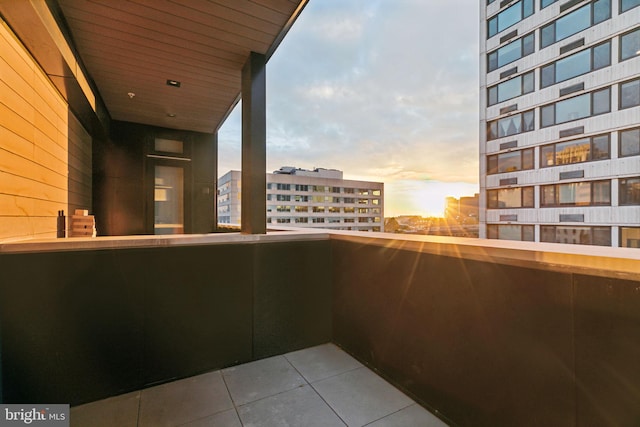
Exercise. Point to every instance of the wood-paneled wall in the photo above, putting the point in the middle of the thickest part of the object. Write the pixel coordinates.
(45, 153)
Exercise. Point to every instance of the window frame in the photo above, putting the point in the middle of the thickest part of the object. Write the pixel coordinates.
(620, 98)
(620, 6)
(591, 7)
(626, 34)
(523, 53)
(496, 227)
(525, 6)
(496, 170)
(556, 194)
(623, 201)
(591, 108)
(637, 152)
(591, 139)
(592, 68)
(592, 229)
(528, 189)
(491, 123)
(530, 74)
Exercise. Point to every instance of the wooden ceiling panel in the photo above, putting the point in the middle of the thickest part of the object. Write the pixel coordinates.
(136, 45)
(137, 27)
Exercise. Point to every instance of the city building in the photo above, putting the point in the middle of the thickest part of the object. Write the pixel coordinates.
(560, 121)
(318, 198)
(463, 209)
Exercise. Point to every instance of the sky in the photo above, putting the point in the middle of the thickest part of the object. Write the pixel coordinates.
(384, 90)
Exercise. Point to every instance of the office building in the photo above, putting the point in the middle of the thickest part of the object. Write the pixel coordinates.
(318, 198)
(461, 209)
(560, 121)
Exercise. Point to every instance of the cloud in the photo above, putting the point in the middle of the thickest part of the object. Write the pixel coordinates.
(385, 89)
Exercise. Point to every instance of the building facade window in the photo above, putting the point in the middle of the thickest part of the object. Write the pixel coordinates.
(630, 44)
(629, 191)
(576, 64)
(599, 236)
(586, 193)
(511, 88)
(302, 208)
(302, 220)
(523, 233)
(629, 142)
(300, 187)
(630, 94)
(511, 52)
(511, 125)
(630, 237)
(628, 5)
(578, 107)
(283, 187)
(510, 162)
(504, 198)
(545, 3)
(575, 151)
(509, 17)
(574, 22)
(281, 208)
(283, 198)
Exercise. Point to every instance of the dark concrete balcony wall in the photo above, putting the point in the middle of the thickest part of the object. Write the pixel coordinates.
(82, 325)
(489, 344)
(607, 320)
(292, 293)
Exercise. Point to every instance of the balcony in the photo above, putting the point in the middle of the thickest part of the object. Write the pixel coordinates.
(319, 386)
(481, 333)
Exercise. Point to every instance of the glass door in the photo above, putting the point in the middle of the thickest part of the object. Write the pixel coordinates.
(168, 200)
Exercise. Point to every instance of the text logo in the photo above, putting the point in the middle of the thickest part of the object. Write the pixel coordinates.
(34, 415)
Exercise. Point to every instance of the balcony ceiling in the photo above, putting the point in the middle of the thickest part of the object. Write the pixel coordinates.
(135, 46)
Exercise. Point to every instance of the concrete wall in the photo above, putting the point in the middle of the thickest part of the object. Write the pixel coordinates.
(89, 324)
(484, 333)
(489, 343)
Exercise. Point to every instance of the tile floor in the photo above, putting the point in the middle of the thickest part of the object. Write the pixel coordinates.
(320, 386)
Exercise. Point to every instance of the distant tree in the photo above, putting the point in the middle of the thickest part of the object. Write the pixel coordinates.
(391, 225)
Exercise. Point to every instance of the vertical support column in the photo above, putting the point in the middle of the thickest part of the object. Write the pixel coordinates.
(254, 146)
(204, 165)
(215, 182)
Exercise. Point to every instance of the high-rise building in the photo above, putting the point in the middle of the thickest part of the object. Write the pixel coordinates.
(560, 104)
(318, 198)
